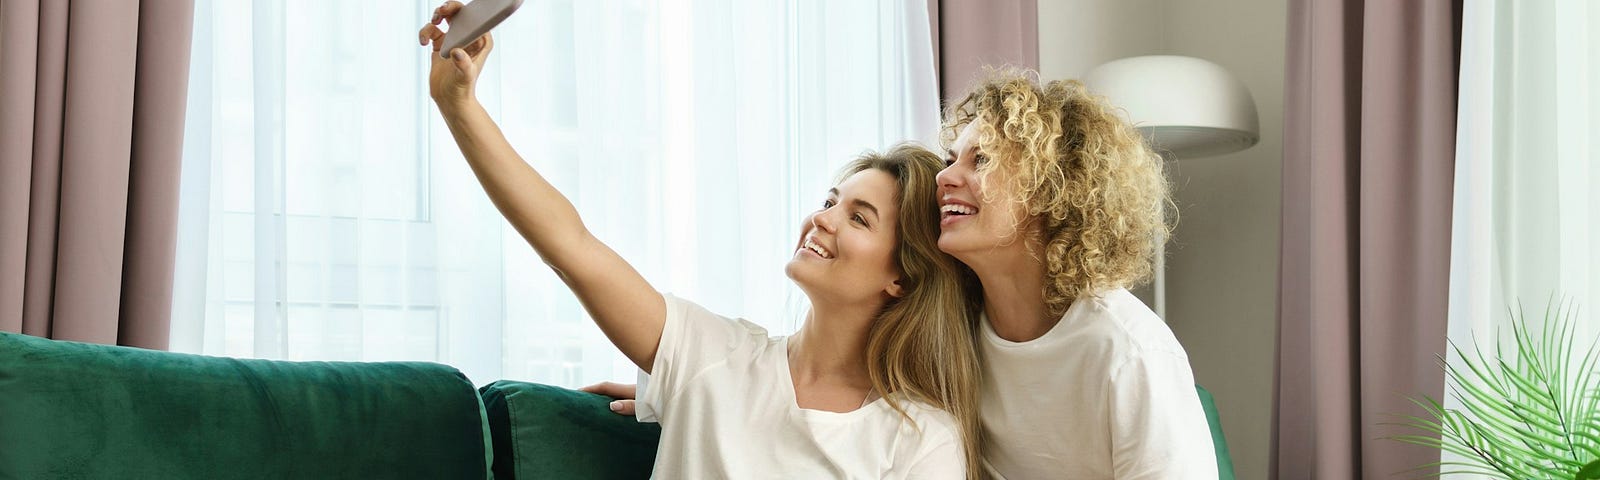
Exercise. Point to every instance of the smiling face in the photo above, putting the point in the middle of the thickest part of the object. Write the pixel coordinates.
(973, 222)
(846, 250)
(1079, 191)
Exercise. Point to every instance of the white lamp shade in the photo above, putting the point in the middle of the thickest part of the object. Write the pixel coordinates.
(1185, 106)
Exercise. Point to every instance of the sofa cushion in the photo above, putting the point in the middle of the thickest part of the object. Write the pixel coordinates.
(72, 410)
(542, 431)
(1218, 442)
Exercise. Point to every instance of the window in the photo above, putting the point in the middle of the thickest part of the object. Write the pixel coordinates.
(327, 214)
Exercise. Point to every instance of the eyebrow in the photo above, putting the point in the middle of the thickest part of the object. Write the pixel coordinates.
(858, 202)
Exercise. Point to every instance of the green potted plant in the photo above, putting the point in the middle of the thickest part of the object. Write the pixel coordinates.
(1529, 411)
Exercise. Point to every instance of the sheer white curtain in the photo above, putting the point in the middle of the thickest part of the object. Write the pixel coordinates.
(1526, 224)
(327, 214)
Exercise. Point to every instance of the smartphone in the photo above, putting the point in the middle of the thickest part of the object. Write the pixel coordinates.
(474, 20)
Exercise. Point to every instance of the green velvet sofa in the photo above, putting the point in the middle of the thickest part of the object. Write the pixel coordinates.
(80, 411)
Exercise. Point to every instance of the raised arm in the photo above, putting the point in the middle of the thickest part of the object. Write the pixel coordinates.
(627, 308)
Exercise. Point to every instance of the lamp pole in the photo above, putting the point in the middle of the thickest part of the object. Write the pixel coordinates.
(1185, 107)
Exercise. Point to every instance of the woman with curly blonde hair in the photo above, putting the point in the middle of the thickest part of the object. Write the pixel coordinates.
(1058, 206)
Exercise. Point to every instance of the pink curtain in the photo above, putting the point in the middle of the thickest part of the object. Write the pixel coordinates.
(1368, 161)
(91, 124)
(970, 34)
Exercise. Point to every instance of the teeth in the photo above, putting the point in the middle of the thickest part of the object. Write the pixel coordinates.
(958, 209)
(817, 248)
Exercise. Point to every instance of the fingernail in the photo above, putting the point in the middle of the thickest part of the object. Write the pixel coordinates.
(615, 406)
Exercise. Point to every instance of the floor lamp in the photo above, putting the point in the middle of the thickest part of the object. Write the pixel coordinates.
(1186, 108)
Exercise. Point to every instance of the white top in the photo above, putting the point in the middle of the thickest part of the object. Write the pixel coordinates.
(721, 390)
(1105, 394)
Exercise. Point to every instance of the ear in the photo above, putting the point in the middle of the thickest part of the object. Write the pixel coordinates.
(895, 289)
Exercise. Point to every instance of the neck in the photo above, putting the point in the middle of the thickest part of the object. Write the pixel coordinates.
(831, 347)
(1013, 297)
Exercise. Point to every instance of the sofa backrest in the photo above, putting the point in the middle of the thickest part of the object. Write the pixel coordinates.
(75, 410)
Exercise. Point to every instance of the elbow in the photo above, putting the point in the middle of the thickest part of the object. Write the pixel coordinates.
(560, 273)
(565, 255)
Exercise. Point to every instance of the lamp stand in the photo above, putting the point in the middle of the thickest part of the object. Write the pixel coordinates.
(1161, 281)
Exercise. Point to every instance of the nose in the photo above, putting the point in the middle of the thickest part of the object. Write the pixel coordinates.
(952, 176)
(822, 220)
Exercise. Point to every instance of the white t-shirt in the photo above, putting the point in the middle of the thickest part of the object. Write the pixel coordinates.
(1105, 394)
(722, 392)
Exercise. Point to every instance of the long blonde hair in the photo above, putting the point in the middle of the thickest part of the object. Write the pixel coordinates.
(1078, 167)
(921, 345)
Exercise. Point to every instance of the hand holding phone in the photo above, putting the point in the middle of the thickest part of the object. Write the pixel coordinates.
(451, 80)
(472, 21)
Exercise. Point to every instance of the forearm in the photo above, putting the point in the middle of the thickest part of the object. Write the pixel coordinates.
(622, 303)
(539, 212)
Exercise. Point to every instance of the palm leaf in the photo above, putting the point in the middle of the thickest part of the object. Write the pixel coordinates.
(1529, 411)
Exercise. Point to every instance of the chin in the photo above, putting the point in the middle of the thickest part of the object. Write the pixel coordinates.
(952, 244)
(799, 272)
(800, 277)
(964, 250)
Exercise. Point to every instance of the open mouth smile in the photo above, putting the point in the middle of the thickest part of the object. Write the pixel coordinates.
(955, 210)
(811, 244)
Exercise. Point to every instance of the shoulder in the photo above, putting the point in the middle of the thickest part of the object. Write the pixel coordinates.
(1128, 325)
(935, 425)
(931, 443)
(684, 311)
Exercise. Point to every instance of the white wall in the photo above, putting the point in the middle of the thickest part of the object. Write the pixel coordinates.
(1076, 35)
(1222, 266)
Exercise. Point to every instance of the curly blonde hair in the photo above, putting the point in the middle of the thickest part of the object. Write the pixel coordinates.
(1080, 169)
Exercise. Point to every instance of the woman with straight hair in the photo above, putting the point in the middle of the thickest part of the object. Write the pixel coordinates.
(879, 381)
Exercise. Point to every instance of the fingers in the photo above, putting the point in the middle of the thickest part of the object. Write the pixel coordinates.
(623, 392)
(445, 11)
(476, 52)
(430, 33)
(480, 48)
(613, 390)
(462, 61)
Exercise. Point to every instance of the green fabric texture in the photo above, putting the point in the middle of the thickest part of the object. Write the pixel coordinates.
(1224, 458)
(541, 431)
(78, 411)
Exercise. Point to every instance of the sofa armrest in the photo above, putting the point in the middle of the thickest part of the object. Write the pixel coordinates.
(541, 431)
